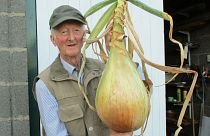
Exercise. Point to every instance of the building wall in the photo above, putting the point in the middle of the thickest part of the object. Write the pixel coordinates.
(14, 115)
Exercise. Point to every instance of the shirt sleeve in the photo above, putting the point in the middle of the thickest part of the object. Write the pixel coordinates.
(141, 74)
(48, 108)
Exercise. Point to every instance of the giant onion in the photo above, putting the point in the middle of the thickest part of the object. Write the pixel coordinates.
(122, 100)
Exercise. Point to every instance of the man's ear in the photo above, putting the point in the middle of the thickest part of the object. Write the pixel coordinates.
(52, 38)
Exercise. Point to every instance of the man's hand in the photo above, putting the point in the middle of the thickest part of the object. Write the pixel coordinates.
(114, 133)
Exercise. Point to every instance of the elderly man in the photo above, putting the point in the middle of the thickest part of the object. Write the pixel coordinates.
(62, 107)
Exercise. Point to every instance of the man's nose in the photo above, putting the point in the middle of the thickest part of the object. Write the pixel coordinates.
(71, 36)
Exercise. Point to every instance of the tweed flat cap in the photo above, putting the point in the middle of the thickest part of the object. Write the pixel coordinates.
(64, 13)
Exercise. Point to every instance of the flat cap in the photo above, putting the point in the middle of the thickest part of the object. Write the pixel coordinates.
(64, 13)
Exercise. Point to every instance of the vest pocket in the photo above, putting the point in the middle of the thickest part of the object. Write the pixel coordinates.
(72, 116)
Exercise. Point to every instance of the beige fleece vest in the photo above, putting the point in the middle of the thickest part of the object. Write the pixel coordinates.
(73, 110)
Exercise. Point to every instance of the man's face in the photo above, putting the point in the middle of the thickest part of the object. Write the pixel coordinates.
(68, 37)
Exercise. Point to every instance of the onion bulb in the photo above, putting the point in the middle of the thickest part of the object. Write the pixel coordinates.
(122, 101)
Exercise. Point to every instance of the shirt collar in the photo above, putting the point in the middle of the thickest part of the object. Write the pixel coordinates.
(68, 67)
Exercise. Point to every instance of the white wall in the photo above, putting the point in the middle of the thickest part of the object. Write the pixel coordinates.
(151, 33)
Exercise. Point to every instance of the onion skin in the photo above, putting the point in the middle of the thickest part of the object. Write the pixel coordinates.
(122, 101)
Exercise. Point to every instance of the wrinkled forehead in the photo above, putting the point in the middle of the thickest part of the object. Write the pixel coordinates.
(70, 22)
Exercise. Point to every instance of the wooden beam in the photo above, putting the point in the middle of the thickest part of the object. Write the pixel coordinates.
(193, 23)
